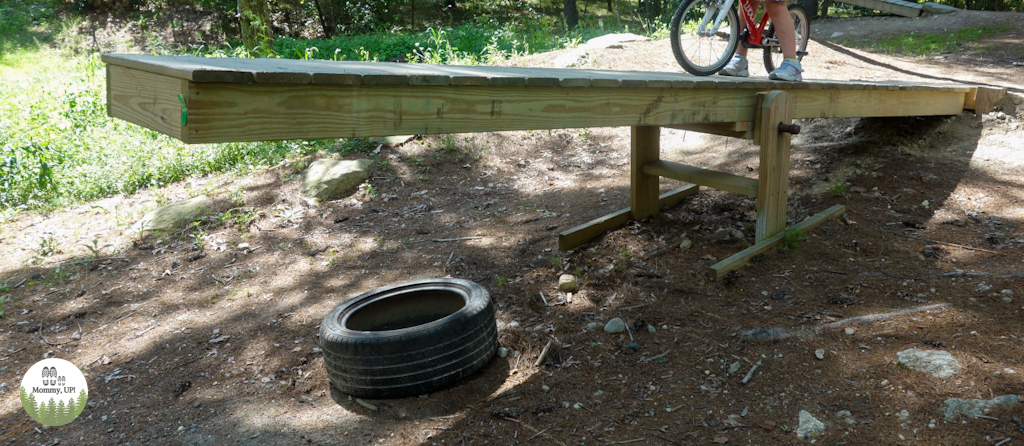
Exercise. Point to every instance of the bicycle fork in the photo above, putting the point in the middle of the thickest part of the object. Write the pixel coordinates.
(719, 12)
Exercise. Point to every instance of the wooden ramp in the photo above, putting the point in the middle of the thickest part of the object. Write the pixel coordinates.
(897, 7)
(206, 100)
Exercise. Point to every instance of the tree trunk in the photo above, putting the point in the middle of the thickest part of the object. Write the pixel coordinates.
(254, 16)
(572, 16)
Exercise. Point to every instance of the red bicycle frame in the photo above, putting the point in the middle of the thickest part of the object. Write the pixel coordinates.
(752, 34)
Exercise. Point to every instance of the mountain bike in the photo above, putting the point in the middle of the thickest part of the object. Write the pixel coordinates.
(706, 33)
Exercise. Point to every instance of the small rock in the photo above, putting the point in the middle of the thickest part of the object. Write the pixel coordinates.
(937, 8)
(197, 404)
(545, 388)
(884, 383)
(819, 353)
(599, 393)
(331, 179)
(577, 406)
(957, 407)
(685, 244)
(103, 418)
(850, 331)
(566, 283)
(925, 204)
(734, 367)
(633, 347)
(172, 216)
(615, 326)
(836, 34)
(1008, 299)
(809, 426)
(592, 326)
(76, 336)
(1007, 292)
(502, 352)
(938, 363)
(982, 287)
(904, 415)
(651, 329)
(243, 246)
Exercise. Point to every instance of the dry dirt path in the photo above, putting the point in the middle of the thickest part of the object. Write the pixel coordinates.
(926, 196)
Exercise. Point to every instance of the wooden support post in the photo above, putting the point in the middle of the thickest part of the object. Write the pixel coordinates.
(718, 270)
(773, 177)
(982, 99)
(643, 191)
(590, 230)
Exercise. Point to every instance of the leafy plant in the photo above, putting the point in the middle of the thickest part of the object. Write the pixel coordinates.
(95, 249)
(837, 189)
(790, 240)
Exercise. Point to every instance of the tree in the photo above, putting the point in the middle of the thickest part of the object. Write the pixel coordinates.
(257, 36)
(82, 398)
(60, 413)
(70, 411)
(28, 401)
(572, 15)
(51, 413)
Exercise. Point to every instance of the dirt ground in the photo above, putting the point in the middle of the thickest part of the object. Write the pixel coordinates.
(925, 196)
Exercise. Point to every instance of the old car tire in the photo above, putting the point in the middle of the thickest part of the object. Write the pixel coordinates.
(409, 339)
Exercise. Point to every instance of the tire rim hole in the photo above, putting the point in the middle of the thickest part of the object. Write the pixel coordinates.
(406, 310)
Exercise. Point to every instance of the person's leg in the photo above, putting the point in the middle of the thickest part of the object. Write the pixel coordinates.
(738, 65)
(784, 29)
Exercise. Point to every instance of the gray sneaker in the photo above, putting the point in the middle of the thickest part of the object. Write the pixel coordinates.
(787, 72)
(736, 67)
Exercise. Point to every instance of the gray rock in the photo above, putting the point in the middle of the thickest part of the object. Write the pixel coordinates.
(633, 347)
(173, 216)
(567, 283)
(615, 326)
(333, 179)
(954, 408)
(819, 353)
(502, 352)
(809, 427)
(938, 363)
(573, 58)
(614, 40)
(734, 367)
(936, 8)
(592, 326)
(651, 329)
(396, 140)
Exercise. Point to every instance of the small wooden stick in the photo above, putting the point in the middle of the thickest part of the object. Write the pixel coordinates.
(750, 374)
(366, 404)
(544, 354)
(626, 441)
(1003, 441)
(879, 317)
(542, 298)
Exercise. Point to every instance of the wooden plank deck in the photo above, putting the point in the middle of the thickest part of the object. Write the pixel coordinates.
(897, 7)
(205, 100)
(228, 100)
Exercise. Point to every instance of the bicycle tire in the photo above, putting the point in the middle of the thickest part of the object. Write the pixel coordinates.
(802, 26)
(409, 339)
(717, 55)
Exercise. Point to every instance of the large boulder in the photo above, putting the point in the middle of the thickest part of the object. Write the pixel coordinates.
(938, 363)
(173, 216)
(957, 407)
(332, 179)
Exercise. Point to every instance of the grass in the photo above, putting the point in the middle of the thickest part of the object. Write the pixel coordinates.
(59, 147)
(914, 44)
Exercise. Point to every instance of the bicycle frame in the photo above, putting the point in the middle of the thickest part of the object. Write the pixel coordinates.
(753, 33)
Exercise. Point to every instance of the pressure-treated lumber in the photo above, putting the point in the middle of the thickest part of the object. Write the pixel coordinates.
(773, 173)
(704, 177)
(643, 191)
(731, 129)
(982, 99)
(718, 270)
(586, 232)
(146, 99)
(233, 100)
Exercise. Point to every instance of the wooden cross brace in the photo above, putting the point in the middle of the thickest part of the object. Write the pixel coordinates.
(773, 109)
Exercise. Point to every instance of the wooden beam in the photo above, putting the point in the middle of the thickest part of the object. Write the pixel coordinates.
(704, 177)
(732, 129)
(645, 148)
(147, 99)
(588, 231)
(258, 112)
(718, 270)
(773, 173)
(874, 103)
(983, 99)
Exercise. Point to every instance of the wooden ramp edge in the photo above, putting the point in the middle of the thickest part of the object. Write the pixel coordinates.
(897, 7)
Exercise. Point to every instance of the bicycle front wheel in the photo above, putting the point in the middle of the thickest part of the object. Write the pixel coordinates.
(773, 52)
(699, 47)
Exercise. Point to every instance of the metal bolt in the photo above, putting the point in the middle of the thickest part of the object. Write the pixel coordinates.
(789, 128)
